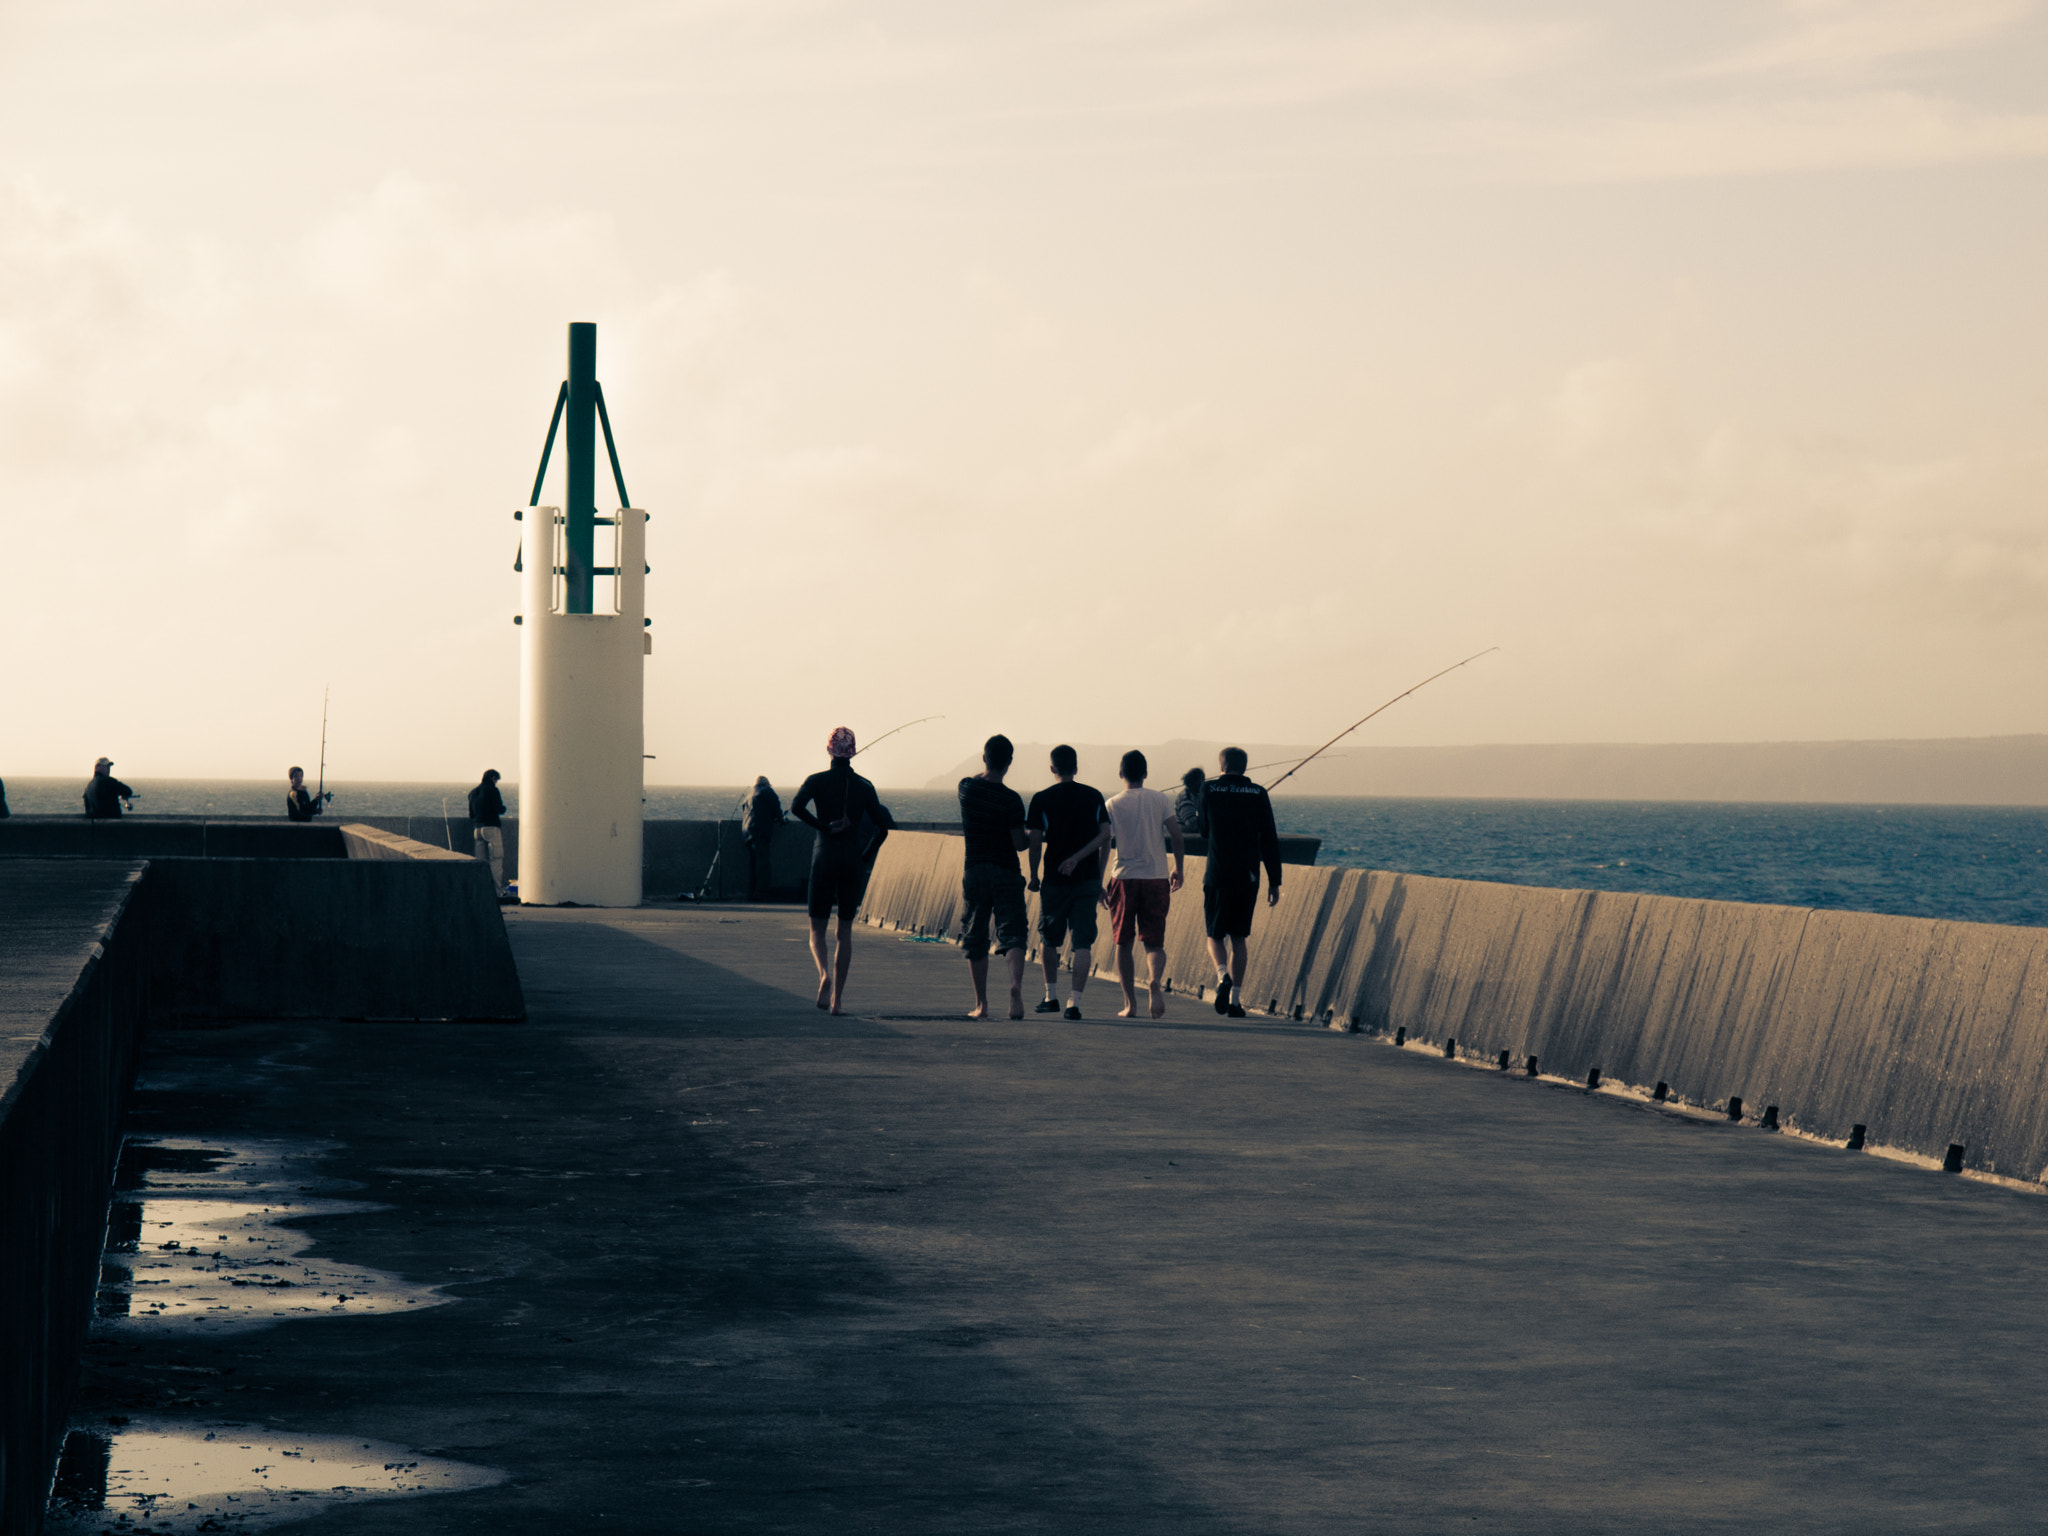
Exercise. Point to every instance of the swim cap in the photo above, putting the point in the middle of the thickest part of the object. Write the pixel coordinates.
(840, 742)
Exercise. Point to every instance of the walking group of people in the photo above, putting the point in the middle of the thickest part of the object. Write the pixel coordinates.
(1085, 852)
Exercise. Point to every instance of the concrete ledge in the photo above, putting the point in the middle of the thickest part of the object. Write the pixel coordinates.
(361, 841)
(380, 938)
(73, 837)
(72, 1001)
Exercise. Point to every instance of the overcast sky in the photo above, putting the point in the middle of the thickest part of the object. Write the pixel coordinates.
(1102, 372)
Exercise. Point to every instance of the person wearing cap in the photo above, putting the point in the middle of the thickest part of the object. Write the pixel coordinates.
(105, 795)
(300, 803)
(851, 823)
(487, 834)
(760, 815)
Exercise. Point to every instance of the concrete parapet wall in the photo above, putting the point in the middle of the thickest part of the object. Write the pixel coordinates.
(1928, 1033)
(404, 938)
(362, 841)
(73, 996)
(139, 837)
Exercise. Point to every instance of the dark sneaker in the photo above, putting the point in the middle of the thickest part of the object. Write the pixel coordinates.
(1046, 1005)
(1223, 995)
(1073, 1010)
(1236, 1012)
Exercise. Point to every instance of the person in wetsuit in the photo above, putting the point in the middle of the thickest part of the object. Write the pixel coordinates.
(851, 823)
(1237, 819)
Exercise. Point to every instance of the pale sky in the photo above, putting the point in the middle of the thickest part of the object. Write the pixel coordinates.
(1101, 372)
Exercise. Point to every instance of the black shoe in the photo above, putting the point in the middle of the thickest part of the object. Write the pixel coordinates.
(1046, 1005)
(1223, 995)
(1073, 1010)
(1236, 1012)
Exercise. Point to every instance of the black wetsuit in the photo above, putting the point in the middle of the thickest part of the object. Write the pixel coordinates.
(301, 804)
(103, 797)
(841, 860)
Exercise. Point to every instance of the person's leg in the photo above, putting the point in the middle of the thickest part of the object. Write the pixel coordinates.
(1155, 980)
(1012, 918)
(977, 967)
(975, 914)
(1052, 934)
(1078, 967)
(1082, 960)
(842, 961)
(1127, 974)
(1049, 962)
(1220, 957)
(1237, 959)
(1016, 958)
(821, 960)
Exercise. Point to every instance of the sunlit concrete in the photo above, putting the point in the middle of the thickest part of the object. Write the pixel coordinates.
(726, 1265)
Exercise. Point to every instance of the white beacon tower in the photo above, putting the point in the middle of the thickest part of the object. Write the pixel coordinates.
(583, 637)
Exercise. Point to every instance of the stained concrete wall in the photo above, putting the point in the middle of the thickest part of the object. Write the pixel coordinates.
(1929, 1033)
(73, 995)
(350, 939)
(73, 837)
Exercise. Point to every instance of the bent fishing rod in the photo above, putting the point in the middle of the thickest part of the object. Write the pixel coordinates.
(1397, 698)
(906, 725)
(321, 798)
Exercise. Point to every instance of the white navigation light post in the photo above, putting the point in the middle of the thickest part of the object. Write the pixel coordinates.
(583, 637)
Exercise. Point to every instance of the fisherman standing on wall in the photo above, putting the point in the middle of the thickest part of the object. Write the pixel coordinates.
(1187, 805)
(1237, 819)
(759, 817)
(487, 833)
(300, 803)
(106, 795)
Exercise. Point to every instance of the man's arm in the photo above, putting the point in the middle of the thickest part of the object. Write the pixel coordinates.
(1269, 848)
(1099, 843)
(1037, 840)
(803, 797)
(1180, 852)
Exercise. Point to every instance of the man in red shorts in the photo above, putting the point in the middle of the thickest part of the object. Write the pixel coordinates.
(1139, 889)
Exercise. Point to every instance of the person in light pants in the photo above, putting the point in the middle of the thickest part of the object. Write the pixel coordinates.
(486, 808)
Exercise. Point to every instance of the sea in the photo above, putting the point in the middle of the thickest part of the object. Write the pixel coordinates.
(1981, 864)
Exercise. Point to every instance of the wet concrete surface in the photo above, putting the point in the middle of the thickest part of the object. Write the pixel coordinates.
(722, 1264)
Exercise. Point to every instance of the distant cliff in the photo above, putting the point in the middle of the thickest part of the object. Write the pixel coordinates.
(1979, 770)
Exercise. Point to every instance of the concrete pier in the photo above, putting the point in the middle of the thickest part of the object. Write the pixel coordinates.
(727, 1265)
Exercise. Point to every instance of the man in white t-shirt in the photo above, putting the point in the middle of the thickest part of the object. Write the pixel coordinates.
(1139, 890)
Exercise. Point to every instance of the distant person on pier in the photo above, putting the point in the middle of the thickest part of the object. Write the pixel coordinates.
(1063, 821)
(1140, 888)
(105, 795)
(1187, 805)
(992, 886)
(300, 803)
(1237, 819)
(759, 817)
(486, 826)
(3, 799)
(852, 824)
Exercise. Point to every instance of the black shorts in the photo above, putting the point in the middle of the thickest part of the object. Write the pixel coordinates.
(1228, 901)
(840, 879)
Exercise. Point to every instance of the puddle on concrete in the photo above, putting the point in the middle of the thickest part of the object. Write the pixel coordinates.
(196, 1241)
(183, 1479)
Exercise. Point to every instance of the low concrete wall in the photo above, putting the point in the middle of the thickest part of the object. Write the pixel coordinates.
(73, 995)
(361, 841)
(350, 939)
(73, 837)
(1928, 1033)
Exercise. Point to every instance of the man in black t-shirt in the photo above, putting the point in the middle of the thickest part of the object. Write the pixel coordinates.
(1063, 820)
(1237, 819)
(992, 887)
(851, 823)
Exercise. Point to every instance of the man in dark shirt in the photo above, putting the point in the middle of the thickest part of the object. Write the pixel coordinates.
(1063, 821)
(992, 886)
(760, 815)
(851, 823)
(486, 829)
(105, 793)
(300, 803)
(1237, 818)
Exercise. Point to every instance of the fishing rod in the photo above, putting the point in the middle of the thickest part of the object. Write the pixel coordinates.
(906, 725)
(321, 798)
(1280, 762)
(1397, 698)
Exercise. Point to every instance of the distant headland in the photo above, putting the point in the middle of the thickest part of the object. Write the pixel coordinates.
(1970, 770)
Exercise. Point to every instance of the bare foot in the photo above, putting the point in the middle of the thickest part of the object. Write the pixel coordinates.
(980, 1011)
(1129, 1009)
(838, 1012)
(824, 991)
(1158, 1003)
(1016, 1004)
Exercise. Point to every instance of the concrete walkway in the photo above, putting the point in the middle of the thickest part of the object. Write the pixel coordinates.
(727, 1265)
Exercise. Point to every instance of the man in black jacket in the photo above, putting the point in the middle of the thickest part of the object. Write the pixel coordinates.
(759, 817)
(1237, 818)
(487, 832)
(105, 794)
